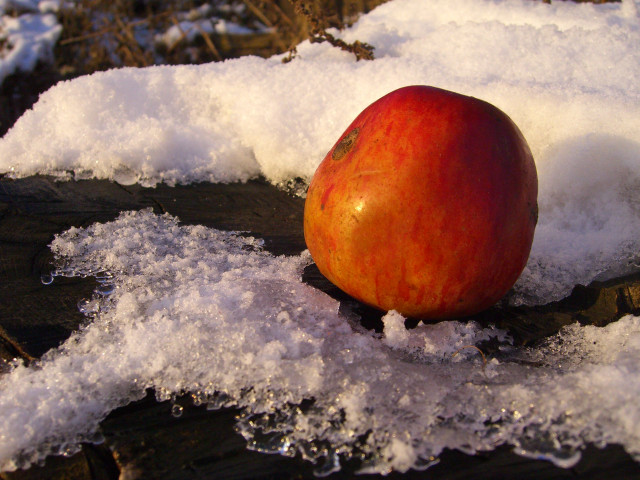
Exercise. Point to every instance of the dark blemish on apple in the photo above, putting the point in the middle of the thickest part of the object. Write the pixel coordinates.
(345, 144)
(533, 212)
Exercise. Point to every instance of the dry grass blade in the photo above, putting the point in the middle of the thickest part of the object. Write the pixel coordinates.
(258, 13)
(209, 42)
(183, 33)
(134, 55)
(107, 30)
(87, 36)
(263, 18)
(484, 359)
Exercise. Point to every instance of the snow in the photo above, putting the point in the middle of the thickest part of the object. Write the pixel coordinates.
(29, 37)
(193, 310)
(194, 26)
(29, 30)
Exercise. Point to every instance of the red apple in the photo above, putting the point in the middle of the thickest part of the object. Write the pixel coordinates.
(426, 205)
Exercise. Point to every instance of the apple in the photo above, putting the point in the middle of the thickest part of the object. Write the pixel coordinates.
(427, 205)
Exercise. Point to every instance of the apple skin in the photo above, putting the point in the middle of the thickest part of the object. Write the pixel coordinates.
(426, 205)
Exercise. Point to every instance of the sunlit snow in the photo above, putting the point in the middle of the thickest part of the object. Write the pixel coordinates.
(194, 310)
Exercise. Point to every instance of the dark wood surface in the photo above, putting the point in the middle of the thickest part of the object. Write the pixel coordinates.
(143, 440)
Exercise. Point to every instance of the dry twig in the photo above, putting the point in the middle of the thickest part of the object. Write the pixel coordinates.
(362, 50)
(209, 42)
(484, 359)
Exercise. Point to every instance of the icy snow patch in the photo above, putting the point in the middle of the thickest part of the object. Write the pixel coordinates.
(589, 224)
(199, 311)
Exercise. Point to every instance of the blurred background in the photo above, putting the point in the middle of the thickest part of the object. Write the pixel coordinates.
(45, 41)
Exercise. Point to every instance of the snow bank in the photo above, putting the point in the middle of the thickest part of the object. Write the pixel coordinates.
(562, 72)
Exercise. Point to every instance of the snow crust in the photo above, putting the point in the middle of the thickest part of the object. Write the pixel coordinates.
(192, 310)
